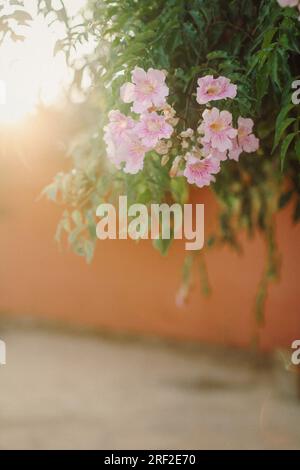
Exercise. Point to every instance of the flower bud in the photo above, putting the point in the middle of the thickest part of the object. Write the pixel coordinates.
(175, 166)
(165, 160)
(188, 133)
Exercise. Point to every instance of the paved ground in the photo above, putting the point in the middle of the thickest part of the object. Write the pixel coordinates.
(68, 391)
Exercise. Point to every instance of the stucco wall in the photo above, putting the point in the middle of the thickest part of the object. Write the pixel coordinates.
(129, 286)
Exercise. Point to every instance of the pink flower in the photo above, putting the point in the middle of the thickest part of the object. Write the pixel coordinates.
(119, 123)
(111, 146)
(245, 140)
(125, 148)
(153, 127)
(148, 89)
(208, 151)
(212, 89)
(218, 130)
(200, 172)
(235, 152)
(132, 152)
(288, 3)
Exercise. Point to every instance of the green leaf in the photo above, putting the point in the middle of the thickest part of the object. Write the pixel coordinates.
(22, 16)
(179, 190)
(89, 248)
(297, 148)
(162, 245)
(77, 217)
(269, 37)
(217, 55)
(281, 129)
(284, 148)
(284, 199)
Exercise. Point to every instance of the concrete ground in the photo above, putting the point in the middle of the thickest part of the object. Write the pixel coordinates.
(68, 391)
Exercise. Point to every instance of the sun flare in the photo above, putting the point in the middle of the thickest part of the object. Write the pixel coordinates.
(29, 73)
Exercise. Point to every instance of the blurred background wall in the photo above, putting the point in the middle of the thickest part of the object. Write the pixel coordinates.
(129, 287)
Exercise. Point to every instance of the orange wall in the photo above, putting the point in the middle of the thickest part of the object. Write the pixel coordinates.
(129, 286)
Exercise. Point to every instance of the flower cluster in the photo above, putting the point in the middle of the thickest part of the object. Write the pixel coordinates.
(129, 140)
(196, 154)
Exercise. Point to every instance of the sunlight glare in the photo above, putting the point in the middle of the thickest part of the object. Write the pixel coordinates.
(29, 74)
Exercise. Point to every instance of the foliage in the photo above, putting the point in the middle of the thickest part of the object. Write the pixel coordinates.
(254, 43)
(12, 16)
